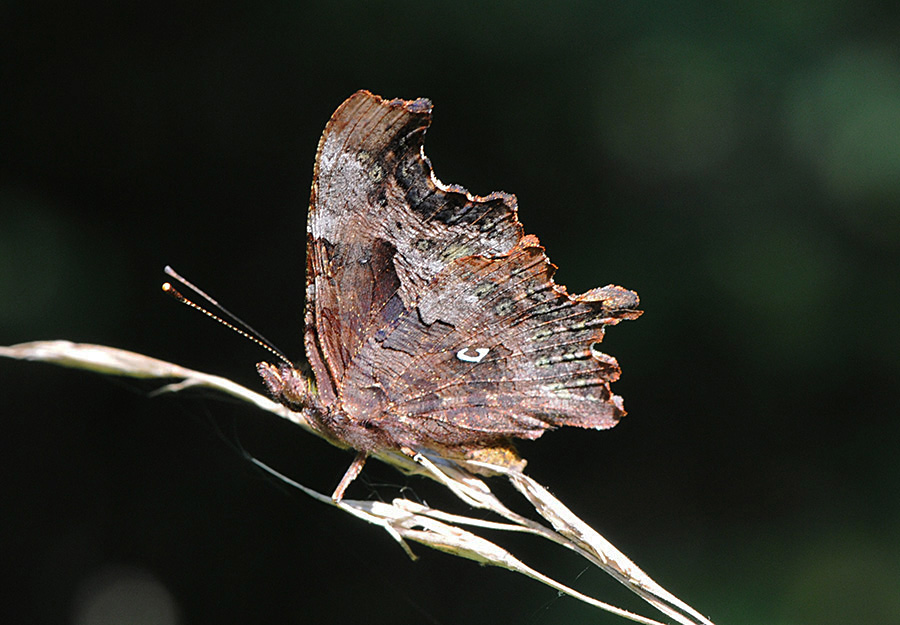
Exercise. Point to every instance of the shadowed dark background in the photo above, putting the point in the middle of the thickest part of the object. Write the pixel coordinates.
(737, 166)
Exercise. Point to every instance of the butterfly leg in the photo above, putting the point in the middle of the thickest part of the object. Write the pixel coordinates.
(353, 471)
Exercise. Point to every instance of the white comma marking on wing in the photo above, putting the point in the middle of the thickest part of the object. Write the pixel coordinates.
(465, 356)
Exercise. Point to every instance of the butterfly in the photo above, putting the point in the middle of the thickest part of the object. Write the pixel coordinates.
(432, 321)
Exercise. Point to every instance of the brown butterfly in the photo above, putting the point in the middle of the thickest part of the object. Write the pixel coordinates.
(432, 320)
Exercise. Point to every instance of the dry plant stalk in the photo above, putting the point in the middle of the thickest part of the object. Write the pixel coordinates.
(403, 519)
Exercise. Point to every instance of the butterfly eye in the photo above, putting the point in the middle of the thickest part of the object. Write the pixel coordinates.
(478, 356)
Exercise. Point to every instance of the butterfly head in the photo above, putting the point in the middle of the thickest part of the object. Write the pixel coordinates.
(287, 385)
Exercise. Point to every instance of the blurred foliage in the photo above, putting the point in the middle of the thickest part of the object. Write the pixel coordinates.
(737, 165)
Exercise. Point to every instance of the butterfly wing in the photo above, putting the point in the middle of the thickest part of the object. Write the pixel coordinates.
(430, 316)
(381, 227)
(492, 349)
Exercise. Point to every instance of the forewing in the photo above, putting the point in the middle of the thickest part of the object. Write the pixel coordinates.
(382, 227)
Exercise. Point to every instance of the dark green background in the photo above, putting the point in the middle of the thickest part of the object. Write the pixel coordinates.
(738, 166)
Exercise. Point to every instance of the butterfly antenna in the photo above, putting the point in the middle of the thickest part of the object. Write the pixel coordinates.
(236, 324)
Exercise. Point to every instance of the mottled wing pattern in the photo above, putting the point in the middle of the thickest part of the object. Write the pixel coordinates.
(381, 227)
(431, 318)
(494, 347)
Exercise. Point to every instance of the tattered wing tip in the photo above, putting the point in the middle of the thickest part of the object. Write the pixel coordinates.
(419, 106)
